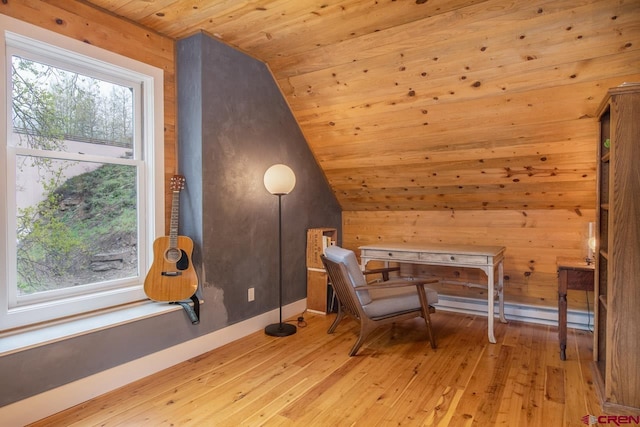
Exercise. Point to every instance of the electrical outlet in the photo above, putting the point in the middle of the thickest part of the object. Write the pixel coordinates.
(251, 295)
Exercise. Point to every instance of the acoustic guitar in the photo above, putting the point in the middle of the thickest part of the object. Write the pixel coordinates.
(172, 277)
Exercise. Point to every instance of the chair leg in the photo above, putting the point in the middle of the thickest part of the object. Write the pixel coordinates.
(427, 320)
(425, 314)
(337, 320)
(356, 346)
(364, 333)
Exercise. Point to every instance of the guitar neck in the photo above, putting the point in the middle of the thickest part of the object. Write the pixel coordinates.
(173, 229)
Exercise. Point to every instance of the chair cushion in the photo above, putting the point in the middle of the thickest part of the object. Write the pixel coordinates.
(348, 258)
(388, 301)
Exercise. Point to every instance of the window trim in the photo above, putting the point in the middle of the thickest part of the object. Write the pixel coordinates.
(152, 79)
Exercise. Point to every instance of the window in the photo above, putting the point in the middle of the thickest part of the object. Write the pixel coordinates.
(83, 183)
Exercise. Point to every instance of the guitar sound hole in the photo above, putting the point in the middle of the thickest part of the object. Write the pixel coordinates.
(173, 255)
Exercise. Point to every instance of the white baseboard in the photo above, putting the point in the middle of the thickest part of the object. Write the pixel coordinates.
(50, 402)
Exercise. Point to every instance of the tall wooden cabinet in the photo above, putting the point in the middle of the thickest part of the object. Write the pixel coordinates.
(617, 284)
(319, 293)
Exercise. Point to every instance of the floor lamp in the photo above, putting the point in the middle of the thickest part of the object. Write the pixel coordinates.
(279, 180)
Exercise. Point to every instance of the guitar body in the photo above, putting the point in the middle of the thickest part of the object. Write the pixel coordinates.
(171, 276)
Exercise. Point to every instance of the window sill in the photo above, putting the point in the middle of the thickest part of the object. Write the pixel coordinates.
(24, 339)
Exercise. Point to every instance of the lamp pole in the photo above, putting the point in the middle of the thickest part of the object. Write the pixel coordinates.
(287, 178)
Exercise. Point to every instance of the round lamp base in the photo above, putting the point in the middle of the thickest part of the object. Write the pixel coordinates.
(280, 330)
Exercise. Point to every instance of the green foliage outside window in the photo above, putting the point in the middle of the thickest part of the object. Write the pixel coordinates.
(80, 218)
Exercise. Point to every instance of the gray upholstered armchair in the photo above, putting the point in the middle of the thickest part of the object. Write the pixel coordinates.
(377, 304)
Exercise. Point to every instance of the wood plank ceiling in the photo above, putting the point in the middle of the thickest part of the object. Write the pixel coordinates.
(433, 104)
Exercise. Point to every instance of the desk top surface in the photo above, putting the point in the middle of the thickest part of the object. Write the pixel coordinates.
(574, 264)
(438, 248)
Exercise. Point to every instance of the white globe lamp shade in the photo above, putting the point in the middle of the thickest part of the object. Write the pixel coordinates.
(279, 179)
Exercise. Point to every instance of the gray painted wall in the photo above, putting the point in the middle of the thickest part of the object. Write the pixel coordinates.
(233, 124)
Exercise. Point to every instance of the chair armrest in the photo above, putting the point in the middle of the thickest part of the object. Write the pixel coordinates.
(381, 270)
(396, 284)
(384, 271)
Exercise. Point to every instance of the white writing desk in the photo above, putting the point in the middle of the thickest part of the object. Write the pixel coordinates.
(485, 258)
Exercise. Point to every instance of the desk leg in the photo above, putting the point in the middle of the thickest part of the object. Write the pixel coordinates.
(562, 313)
(490, 302)
(501, 291)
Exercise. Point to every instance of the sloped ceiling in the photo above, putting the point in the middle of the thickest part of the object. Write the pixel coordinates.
(433, 104)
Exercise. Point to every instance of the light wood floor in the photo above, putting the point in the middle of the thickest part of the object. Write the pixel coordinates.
(396, 379)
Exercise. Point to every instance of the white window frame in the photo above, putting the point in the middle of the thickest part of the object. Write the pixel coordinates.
(37, 310)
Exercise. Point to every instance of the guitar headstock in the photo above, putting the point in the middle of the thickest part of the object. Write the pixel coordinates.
(177, 182)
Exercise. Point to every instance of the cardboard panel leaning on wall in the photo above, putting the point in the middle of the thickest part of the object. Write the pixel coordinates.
(533, 238)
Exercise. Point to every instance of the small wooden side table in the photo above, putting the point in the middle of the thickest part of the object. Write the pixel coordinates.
(574, 274)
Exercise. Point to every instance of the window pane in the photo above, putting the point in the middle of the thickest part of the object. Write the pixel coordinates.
(81, 201)
(59, 110)
(76, 223)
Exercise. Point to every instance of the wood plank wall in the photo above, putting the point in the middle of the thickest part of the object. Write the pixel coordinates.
(487, 107)
(533, 238)
(89, 25)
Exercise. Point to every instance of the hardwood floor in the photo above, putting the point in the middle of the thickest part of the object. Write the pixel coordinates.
(308, 379)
